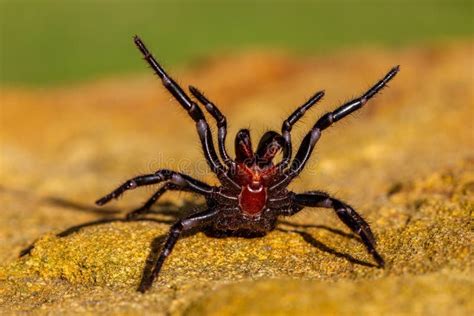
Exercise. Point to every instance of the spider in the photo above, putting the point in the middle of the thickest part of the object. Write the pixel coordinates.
(253, 190)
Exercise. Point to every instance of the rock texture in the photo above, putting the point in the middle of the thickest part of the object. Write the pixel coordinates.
(405, 162)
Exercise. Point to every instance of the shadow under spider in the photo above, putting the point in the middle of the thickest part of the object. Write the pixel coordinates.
(170, 210)
(323, 227)
(321, 246)
(174, 213)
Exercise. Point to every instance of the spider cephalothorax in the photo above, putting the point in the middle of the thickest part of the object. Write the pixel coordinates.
(253, 191)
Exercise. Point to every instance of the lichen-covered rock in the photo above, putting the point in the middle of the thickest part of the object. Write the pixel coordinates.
(405, 162)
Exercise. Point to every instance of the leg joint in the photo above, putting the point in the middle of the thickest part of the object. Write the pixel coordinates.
(131, 184)
(196, 113)
(315, 134)
(286, 127)
(325, 121)
(202, 126)
(177, 228)
(221, 122)
(165, 174)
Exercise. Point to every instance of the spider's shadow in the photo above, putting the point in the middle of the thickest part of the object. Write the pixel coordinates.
(297, 228)
(169, 211)
(172, 213)
(109, 215)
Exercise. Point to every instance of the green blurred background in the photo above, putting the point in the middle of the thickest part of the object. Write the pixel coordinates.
(56, 42)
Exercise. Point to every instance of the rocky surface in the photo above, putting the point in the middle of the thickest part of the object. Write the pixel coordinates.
(405, 162)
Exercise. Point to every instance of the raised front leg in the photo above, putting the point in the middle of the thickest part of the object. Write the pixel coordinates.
(310, 140)
(221, 125)
(288, 125)
(194, 112)
(345, 213)
(194, 221)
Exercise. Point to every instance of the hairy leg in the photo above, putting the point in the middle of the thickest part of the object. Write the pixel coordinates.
(288, 125)
(221, 125)
(178, 179)
(310, 140)
(345, 213)
(193, 110)
(194, 221)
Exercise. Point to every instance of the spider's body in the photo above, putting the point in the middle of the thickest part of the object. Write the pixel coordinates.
(253, 191)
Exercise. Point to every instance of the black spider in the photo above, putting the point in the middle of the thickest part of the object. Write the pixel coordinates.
(253, 191)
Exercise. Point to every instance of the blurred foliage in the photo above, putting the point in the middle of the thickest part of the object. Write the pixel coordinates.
(50, 42)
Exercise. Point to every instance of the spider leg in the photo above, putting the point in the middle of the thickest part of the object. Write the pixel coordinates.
(221, 125)
(193, 110)
(176, 178)
(149, 203)
(288, 125)
(345, 213)
(309, 141)
(194, 221)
